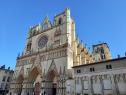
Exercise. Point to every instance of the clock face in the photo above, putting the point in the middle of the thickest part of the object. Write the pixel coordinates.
(42, 41)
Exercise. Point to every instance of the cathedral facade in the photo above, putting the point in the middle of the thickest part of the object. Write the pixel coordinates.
(50, 51)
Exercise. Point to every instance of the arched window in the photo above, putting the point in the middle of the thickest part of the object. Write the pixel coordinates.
(60, 21)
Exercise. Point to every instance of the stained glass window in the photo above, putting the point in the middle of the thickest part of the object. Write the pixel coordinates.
(42, 41)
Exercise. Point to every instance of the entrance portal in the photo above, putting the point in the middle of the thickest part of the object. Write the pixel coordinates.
(37, 89)
(51, 83)
(35, 78)
(20, 80)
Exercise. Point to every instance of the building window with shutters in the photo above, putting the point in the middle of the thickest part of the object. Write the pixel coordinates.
(4, 78)
(108, 66)
(8, 80)
(78, 71)
(92, 69)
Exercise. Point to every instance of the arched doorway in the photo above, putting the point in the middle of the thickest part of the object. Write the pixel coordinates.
(19, 84)
(35, 80)
(37, 88)
(51, 83)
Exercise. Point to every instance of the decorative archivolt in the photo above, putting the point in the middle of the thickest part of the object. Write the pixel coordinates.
(19, 75)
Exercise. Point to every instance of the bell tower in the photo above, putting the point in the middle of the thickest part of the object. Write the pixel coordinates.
(64, 21)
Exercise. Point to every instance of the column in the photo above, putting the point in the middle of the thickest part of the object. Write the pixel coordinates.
(114, 85)
(75, 86)
(90, 85)
(42, 85)
(58, 86)
(64, 86)
(124, 80)
(82, 84)
(102, 85)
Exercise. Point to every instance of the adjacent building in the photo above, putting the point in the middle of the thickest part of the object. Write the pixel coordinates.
(101, 52)
(101, 78)
(5, 78)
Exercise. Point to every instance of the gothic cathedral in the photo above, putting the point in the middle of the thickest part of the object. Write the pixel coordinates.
(51, 50)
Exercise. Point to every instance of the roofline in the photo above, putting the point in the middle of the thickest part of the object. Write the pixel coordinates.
(100, 44)
(116, 59)
(59, 14)
(104, 43)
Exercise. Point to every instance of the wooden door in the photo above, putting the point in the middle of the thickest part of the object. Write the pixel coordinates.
(37, 89)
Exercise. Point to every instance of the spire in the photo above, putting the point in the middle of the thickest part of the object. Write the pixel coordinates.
(40, 27)
(18, 55)
(46, 23)
(67, 10)
(46, 19)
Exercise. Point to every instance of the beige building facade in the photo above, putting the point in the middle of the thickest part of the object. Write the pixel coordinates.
(101, 78)
(101, 52)
(5, 79)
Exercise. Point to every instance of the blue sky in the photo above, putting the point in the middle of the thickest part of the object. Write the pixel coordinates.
(96, 20)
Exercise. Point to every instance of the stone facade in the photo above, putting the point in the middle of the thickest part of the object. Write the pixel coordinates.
(5, 78)
(51, 49)
(101, 78)
(101, 52)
